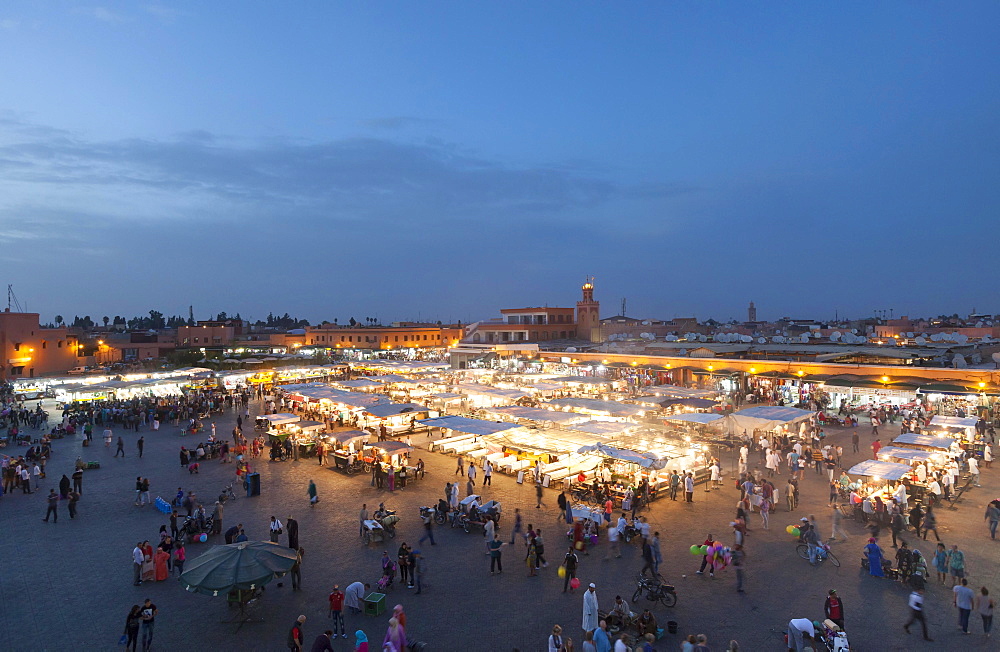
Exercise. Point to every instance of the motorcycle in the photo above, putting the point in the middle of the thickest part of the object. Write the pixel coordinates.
(655, 590)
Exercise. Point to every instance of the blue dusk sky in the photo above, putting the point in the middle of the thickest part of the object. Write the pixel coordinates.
(443, 160)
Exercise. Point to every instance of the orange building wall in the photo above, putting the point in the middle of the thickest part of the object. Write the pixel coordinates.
(28, 350)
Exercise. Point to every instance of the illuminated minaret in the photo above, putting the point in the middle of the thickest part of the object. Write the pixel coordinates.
(588, 314)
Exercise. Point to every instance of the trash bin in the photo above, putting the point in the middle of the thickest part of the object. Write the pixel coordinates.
(672, 626)
(253, 484)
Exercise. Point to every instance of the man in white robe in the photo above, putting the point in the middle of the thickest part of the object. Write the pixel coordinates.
(590, 608)
(354, 595)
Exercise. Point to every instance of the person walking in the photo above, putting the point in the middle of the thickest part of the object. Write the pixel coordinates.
(930, 523)
(78, 481)
(689, 487)
(487, 473)
(419, 567)
(516, 530)
(53, 502)
(570, 563)
(916, 603)
(836, 528)
(428, 522)
(460, 468)
(336, 600)
(855, 440)
(362, 517)
(121, 446)
(292, 527)
(993, 517)
(132, 622)
(140, 444)
(538, 495)
(561, 502)
(149, 612)
(496, 561)
(180, 556)
(296, 637)
(108, 436)
(313, 497)
(74, 496)
(963, 600)
(739, 559)
(984, 607)
(296, 571)
(956, 565)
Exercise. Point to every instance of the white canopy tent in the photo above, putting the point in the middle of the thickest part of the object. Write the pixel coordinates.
(696, 417)
(467, 425)
(765, 417)
(880, 470)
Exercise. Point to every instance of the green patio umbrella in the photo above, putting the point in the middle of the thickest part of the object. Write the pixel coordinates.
(247, 565)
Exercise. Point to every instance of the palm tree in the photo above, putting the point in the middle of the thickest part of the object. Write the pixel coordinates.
(59, 320)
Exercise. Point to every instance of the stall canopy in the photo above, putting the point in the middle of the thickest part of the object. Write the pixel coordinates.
(350, 436)
(281, 418)
(954, 422)
(695, 417)
(881, 470)
(467, 425)
(765, 417)
(927, 441)
(676, 391)
(911, 454)
(585, 405)
(536, 414)
(690, 402)
(310, 425)
(606, 428)
(475, 389)
(361, 383)
(645, 460)
(391, 447)
(392, 409)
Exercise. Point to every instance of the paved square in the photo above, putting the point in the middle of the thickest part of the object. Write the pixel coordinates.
(68, 585)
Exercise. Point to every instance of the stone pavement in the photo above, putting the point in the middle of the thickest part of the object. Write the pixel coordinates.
(68, 585)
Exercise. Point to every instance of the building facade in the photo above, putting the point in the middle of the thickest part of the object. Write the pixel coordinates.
(29, 350)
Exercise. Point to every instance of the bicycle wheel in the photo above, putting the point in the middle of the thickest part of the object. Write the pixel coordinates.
(636, 595)
(668, 599)
(803, 550)
(833, 559)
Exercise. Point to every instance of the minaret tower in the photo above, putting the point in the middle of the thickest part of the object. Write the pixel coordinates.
(752, 312)
(588, 314)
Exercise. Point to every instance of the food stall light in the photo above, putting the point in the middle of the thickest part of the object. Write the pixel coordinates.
(800, 373)
(885, 379)
(710, 367)
(604, 362)
(982, 385)
(753, 370)
(687, 438)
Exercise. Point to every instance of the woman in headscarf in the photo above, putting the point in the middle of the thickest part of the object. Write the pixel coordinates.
(360, 641)
(874, 558)
(395, 635)
(160, 563)
(398, 614)
(148, 569)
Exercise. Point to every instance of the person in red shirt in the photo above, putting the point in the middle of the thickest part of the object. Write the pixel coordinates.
(337, 610)
(876, 447)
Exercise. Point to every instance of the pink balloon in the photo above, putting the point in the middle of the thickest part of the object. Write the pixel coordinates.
(574, 583)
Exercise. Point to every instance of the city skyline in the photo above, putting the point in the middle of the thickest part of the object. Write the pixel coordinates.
(446, 161)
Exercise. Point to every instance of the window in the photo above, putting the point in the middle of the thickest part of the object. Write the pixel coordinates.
(45, 344)
(17, 346)
(397, 337)
(59, 344)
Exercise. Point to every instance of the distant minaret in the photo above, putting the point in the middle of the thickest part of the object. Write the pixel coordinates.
(588, 314)
(752, 312)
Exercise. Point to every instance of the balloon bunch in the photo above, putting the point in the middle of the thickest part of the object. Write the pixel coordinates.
(718, 555)
(794, 531)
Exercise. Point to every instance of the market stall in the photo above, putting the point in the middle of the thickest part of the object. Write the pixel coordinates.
(767, 418)
(346, 446)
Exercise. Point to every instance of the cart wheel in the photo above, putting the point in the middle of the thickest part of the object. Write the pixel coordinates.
(367, 538)
(440, 520)
(350, 470)
(367, 467)
(636, 595)
(392, 533)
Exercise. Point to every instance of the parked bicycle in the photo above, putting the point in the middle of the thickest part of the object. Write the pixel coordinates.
(822, 553)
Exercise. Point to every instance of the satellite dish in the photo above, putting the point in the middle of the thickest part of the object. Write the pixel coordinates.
(962, 339)
(959, 361)
(778, 339)
(835, 336)
(761, 340)
(921, 340)
(746, 339)
(571, 349)
(996, 358)
(805, 338)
